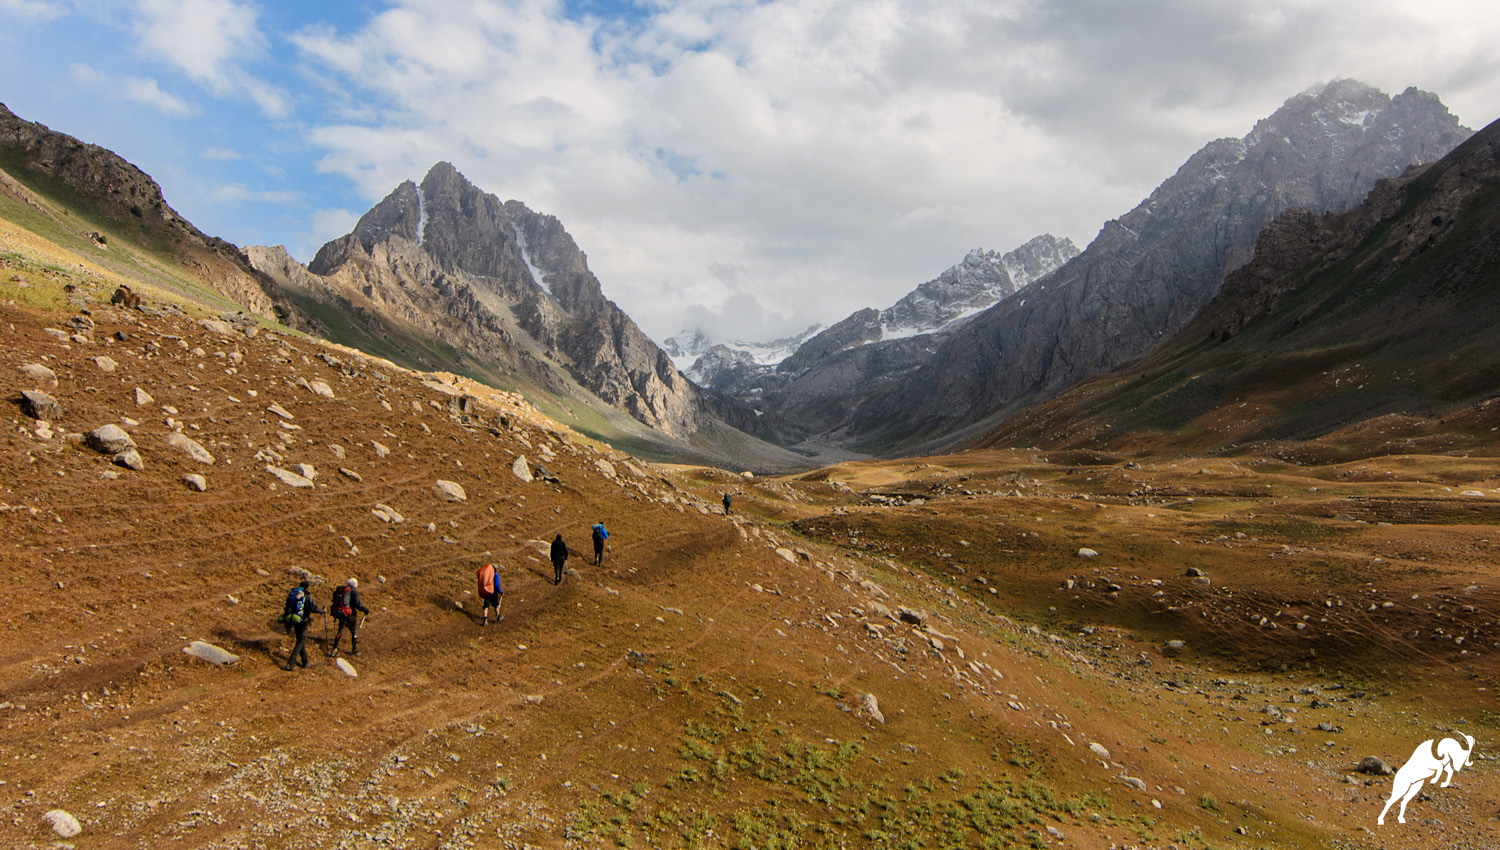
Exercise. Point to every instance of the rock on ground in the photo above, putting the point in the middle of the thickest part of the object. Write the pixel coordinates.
(39, 405)
(291, 479)
(210, 653)
(521, 469)
(109, 440)
(195, 482)
(62, 823)
(346, 667)
(130, 459)
(190, 447)
(449, 491)
(39, 374)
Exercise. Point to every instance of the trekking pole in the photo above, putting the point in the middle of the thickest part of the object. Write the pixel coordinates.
(325, 634)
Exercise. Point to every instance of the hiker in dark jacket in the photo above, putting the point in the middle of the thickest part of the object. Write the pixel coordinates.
(728, 499)
(300, 608)
(559, 558)
(601, 534)
(345, 603)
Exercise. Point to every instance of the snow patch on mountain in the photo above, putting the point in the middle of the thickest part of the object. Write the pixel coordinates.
(536, 273)
(687, 348)
(421, 215)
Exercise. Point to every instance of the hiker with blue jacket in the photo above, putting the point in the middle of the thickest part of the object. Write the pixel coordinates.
(345, 603)
(601, 534)
(299, 611)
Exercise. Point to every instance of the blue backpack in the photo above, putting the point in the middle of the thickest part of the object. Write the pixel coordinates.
(600, 534)
(291, 614)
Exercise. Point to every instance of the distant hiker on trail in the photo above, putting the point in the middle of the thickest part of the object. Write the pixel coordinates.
(345, 603)
(601, 534)
(728, 498)
(559, 558)
(299, 611)
(490, 593)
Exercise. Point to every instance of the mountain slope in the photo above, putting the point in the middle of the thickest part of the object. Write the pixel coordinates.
(1152, 271)
(1376, 330)
(813, 390)
(444, 275)
(96, 194)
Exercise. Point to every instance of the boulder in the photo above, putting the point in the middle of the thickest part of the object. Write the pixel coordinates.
(386, 513)
(380, 450)
(39, 405)
(280, 411)
(142, 398)
(109, 440)
(1137, 784)
(1194, 572)
(195, 482)
(521, 469)
(106, 364)
(190, 447)
(1087, 553)
(449, 491)
(915, 616)
(320, 388)
(130, 459)
(39, 375)
(214, 326)
(346, 668)
(62, 823)
(291, 479)
(605, 467)
(350, 474)
(1374, 766)
(210, 653)
(1099, 750)
(787, 555)
(869, 707)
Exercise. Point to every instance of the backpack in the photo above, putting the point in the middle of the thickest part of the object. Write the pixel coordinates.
(340, 604)
(291, 613)
(600, 535)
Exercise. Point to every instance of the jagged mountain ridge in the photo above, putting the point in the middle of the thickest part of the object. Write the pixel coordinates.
(812, 389)
(1150, 272)
(505, 288)
(1374, 329)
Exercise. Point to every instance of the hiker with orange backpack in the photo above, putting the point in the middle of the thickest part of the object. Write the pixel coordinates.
(345, 603)
(490, 593)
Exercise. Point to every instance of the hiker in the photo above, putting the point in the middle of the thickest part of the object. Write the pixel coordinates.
(490, 593)
(345, 603)
(559, 558)
(728, 497)
(299, 611)
(601, 534)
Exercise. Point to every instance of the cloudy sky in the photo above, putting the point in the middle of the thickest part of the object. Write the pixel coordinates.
(745, 166)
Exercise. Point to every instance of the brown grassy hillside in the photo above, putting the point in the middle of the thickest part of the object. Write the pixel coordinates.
(701, 688)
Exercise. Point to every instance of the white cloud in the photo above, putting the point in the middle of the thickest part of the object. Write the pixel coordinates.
(223, 154)
(236, 192)
(211, 41)
(138, 89)
(839, 152)
(32, 10)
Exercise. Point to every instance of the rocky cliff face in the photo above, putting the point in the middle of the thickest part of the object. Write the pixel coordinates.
(1374, 329)
(102, 185)
(813, 391)
(1151, 271)
(509, 287)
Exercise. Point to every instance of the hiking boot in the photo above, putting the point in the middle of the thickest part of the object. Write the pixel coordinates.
(288, 668)
(354, 653)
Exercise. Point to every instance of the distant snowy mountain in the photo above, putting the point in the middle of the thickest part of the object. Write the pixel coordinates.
(688, 346)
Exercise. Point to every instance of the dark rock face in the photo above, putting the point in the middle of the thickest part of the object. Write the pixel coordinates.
(1150, 272)
(507, 285)
(105, 185)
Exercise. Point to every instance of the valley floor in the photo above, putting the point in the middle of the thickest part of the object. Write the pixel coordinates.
(877, 654)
